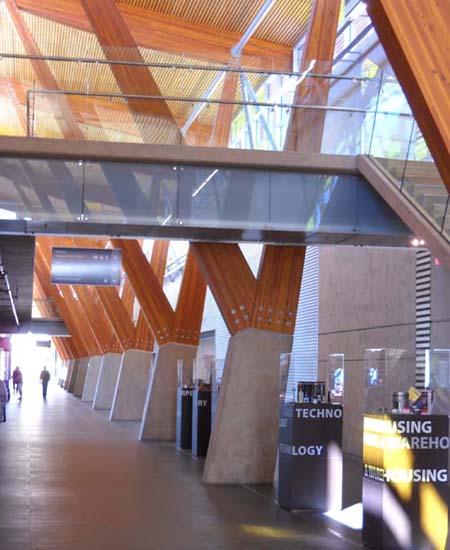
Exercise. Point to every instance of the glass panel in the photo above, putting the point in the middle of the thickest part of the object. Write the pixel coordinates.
(389, 379)
(392, 127)
(41, 190)
(313, 202)
(437, 380)
(202, 372)
(336, 378)
(447, 222)
(422, 182)
(223, 197)
(131, 193)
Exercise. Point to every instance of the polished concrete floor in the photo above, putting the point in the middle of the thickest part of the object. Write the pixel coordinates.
(72, 480)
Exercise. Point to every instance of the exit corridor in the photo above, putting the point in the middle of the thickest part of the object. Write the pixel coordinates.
(72, 480)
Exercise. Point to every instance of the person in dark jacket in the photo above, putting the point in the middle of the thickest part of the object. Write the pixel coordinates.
(18, 381)
(45, 378)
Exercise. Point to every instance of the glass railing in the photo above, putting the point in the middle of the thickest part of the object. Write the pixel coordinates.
(401, 149)
(191, 104)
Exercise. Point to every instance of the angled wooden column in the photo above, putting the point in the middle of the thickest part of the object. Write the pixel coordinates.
(128, 297)
(260, 315)
(305, 127)
(230, 279)
(118, 43)
(144, 337)
(42, 271)
(66, 299)
(278, 288)
(118, 316)
(415, 36)
(222, 124)
(190, 304)
(151, 297)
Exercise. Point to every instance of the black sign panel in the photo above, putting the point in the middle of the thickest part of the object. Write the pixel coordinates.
(86, 266)
(310, 443)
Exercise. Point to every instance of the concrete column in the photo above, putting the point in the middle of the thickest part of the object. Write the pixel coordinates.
(244, 440)
(70, 363)
(160, 413)
(81, 377)
(90, 384)
(107, 381)
(73, 375)
(129, 397)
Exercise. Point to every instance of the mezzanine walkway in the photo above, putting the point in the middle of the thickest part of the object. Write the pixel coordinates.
(72, 480)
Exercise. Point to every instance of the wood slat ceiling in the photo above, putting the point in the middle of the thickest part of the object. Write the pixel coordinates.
(285, 23)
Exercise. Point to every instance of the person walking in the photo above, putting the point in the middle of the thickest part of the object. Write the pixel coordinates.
(18, 381)
(3, 400)
(45, 377)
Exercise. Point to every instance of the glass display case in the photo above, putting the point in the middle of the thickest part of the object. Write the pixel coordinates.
(406, 450)
(336, 378)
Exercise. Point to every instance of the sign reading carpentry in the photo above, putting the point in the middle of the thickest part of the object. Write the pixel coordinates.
(86, 266)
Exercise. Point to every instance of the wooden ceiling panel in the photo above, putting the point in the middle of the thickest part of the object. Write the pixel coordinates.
(232, 15)
(284, 24)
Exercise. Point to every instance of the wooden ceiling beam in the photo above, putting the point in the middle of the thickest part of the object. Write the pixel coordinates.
(415, 36)
(61, 109)
(230, 279)
(117, 43)
(278, 288)
(305, 128)
(157, 31)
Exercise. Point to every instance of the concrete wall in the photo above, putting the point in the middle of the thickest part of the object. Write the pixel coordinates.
(367, 300)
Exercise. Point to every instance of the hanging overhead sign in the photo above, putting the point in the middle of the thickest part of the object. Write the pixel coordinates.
(86, 266)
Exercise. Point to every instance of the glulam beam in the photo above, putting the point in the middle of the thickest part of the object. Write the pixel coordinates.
(305, 128)
(230, 279)
(278, 288)
(190, 304)
(42, 270)
(157, 31)
(61, 109)
(222, 125)
(147, 288)
(118, 43)
(415, 36)
(144, 337)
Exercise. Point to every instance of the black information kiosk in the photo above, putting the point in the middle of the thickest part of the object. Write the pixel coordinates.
(310, 456)
(201, 405)
(184, 417)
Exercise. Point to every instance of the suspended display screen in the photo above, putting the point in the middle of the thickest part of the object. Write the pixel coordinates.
(86, 266)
